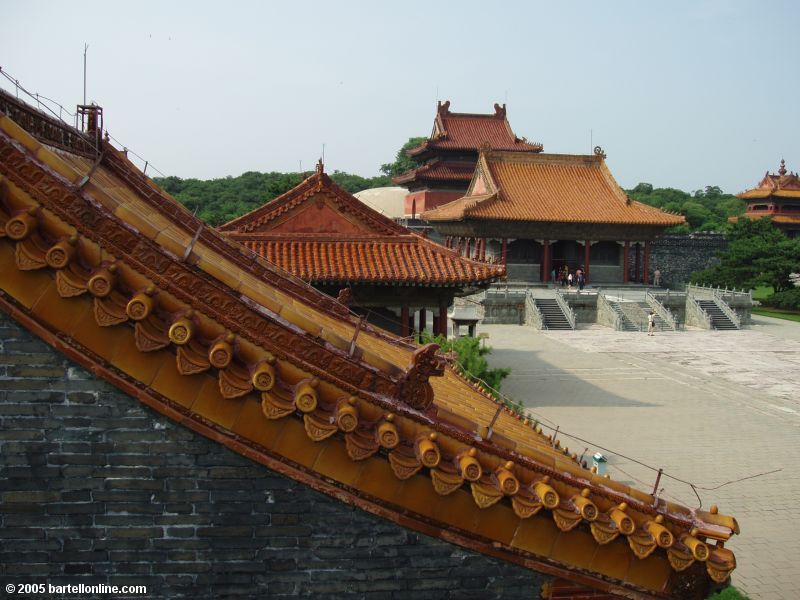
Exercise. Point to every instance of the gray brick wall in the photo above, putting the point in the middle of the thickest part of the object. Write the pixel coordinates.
(96, 488)
(678, 256)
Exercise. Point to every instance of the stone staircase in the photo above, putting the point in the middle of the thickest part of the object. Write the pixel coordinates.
(719, 320)
(659, 325)
(552, 314)
(625, 320)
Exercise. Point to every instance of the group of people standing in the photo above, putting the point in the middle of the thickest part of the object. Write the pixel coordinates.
(566, 278)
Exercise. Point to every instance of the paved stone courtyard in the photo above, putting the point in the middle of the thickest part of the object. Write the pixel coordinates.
(708, 407)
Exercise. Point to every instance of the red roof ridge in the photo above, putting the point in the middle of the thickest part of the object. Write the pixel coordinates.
(318, 182)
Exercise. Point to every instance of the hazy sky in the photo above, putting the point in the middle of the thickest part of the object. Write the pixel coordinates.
(681, 94)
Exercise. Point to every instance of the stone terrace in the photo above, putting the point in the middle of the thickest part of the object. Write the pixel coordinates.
(708, 407)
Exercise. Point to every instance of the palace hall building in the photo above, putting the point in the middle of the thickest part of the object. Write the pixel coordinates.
(325, 236)
(448, 157)
(538, 213)
(777, 196)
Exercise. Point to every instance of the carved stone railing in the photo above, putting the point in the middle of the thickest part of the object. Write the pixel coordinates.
(695, 315)
(729, 312)
(606, 313)
(565, 308)
(662, 311)
(533, 316)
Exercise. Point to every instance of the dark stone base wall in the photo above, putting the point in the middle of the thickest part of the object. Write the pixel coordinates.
(96, 488)
(678, 256)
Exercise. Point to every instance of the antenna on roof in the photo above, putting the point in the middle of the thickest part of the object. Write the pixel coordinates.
(323, 153)
(301, 167)
(85, 49)
(591, 138)
(437, 92)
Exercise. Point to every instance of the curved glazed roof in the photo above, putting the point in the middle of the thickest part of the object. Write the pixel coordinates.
(322, 234)
(516, 186)
(106, 267)
(783, 184)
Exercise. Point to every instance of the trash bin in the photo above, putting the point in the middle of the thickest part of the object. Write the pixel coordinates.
(599, 462)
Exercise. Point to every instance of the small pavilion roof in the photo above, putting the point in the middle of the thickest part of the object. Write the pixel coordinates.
(468, 131)
(322, 234)
(524, 186)
(783, 184)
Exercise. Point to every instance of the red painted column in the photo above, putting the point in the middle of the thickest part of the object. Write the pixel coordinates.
(483, 248)
(404, 321)
(646, 262)
(443, 319)
(636, 277)
(587, 253)
(435, 327)
(626, 262)
(546, 261)
(422, 318)
(458, 246)
(505, 251)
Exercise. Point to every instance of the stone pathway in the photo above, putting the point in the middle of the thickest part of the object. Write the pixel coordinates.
(708, 407)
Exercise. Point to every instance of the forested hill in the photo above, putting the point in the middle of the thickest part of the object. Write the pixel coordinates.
(217, 201)
(705, 210)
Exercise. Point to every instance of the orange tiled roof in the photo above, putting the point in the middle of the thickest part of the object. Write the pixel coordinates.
(106, 267)
(784, 184)
(320, 233)
(438, 170)
(516, 186)
(779, 219)
(466, 131)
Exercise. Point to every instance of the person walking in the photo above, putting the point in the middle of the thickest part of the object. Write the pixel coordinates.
(569, 281)
(651, 323)
(657, 278)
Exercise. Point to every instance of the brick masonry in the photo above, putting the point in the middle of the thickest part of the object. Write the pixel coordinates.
(96, 488)
(677, 256)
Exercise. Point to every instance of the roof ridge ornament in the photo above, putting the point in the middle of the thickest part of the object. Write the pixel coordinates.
(782, 169)
(443, 108)
(415, 389)
(320, 167)
(500, 110)
(598, 151)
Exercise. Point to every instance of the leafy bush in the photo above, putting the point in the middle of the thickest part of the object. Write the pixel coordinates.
(787, 299)
(729, 593)
(471, 356)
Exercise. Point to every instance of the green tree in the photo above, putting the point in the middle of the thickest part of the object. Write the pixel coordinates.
(471, 355)
(217, 201)
(758, 254)
(705, 210)
(403, 162)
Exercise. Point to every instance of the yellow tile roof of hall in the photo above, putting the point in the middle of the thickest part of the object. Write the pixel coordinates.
(517, 186)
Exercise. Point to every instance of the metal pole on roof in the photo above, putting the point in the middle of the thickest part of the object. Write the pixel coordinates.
(85, 49)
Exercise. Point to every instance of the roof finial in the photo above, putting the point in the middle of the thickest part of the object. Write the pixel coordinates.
(500, 110)
(782, 170)
(443, 108)
(320, 167)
